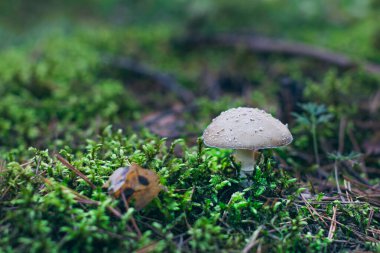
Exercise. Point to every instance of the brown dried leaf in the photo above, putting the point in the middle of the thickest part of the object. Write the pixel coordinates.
(137, 183)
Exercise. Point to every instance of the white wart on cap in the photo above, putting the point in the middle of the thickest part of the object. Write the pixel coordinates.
(246, 128)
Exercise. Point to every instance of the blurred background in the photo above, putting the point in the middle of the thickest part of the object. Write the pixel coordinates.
(320, 22)
(69, 69)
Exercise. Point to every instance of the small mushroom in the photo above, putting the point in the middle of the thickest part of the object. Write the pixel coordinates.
(246, 130)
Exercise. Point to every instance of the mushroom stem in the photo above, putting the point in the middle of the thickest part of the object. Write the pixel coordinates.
(247, 160)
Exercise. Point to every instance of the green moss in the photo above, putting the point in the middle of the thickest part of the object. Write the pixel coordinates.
(204, 204)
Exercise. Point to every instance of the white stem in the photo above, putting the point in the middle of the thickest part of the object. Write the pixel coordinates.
(247, 159)
(337, 181)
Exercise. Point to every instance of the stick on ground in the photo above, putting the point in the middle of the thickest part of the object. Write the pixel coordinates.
(333, 224)
(75, 170)
(164, 79)
(133, 221)
(253, 240)
(264, 44)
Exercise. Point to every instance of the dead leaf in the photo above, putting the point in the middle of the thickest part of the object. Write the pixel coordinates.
(137, 183)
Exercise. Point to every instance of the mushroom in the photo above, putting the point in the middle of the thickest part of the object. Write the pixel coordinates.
(246, 130)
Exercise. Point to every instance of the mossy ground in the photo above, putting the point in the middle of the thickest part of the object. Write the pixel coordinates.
(60, 95)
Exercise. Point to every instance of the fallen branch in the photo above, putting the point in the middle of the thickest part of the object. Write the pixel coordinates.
(263, 44)
(163, 79)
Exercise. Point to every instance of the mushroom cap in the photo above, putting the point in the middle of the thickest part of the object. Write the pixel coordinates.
(246, 128)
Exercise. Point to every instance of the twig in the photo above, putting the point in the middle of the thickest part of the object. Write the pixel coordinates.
(313, 211)
(356, 175)
(268, 45)
(180, 243)
(75, 170)
(148, 248)
(333, 224)
(26, 163)
(357, 233)
(328, 202)
(3, 164)
(225, 211)
(259, 248)
(8, 188)
(365, 184)
(83, 199)
(155, 230)
(163, 79)
(370, 217)
(252, 241)
(133, 221)
(337, 181)
(347, 185)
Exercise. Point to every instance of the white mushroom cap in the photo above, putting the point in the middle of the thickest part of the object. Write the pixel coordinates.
(246, 128)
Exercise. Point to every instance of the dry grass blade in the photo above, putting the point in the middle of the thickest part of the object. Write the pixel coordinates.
(149, 248)
(374, 231)
(359, 234)
(253, 240)
(337, 181)
(225, 212)
(347, 185)
(370, 217)
(333, 224)
(75, 170)
(134, 224)
(369, 193)
(4, 193)
(313, 211)
(85, 200)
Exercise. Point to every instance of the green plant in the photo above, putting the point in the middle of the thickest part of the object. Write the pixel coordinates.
(337, 158)
(312, 117)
